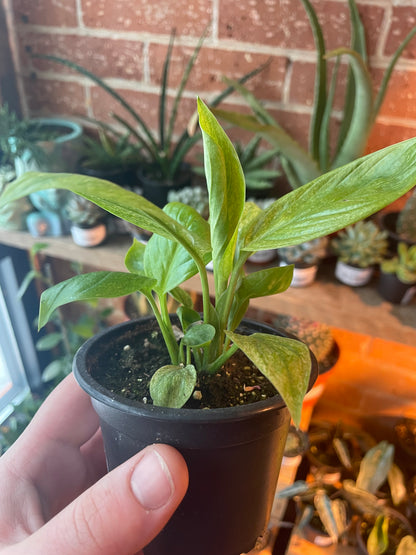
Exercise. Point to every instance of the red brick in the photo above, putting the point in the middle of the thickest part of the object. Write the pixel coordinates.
(403, 20)
(400, 98)
(105, 58)
(46, 12)
(51, 97)
(284, 24)
(211, 65)
(189, 18)
(383, 135)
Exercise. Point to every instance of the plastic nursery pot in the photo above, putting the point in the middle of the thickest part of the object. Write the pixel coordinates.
(156, 190)
(352, 275)
(388, 222)
(233, 454)
(395, 291)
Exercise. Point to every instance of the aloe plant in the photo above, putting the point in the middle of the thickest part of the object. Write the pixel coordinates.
(359, 112)
(403, 265)
(183, 242)
(159, 152)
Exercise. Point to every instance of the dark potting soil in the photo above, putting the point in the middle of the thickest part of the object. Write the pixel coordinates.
(127, 369)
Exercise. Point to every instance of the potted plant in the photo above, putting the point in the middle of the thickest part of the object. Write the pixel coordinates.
(360, 109)
(222, 481)
(305, 257)
(398, 275)
(163, 165)
(359, 247)
(364, 506)
(111, 156)
(401, 226)
(88, 227)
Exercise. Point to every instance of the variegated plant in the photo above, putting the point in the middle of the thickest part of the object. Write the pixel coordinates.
(359, 111)
(183, 242)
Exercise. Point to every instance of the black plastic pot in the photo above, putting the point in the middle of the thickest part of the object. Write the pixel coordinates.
(124, 177)
(393, 290)
(156, 189)
(233, 454)
(388, 222)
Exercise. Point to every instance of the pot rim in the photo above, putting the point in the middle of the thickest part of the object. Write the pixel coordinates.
(115, 401)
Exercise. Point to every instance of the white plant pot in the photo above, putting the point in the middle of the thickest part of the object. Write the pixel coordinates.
(263, 257)
(302, 277)
(88, 237)
(351, 275)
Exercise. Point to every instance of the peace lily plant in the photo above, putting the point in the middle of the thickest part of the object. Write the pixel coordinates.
(183, 242)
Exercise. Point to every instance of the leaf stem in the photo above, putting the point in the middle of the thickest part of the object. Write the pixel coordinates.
(165, 328)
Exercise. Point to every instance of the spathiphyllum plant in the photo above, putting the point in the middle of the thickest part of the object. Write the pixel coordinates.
(183, 242)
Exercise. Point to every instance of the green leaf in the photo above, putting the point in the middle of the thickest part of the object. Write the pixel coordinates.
(134, 259)
(226, 188)
(378, 539)
(199, 335)
(281, 360)
(375, 467)
(181, 296)
(304, 166)
(187, 316)
(337, 198)
(124, 204)
(49, 341)
(57, 368)
(171, 385)
(397, 484)
(168, 261)
(263, 283)
(362, 116)
(27, 280)
(90, 286)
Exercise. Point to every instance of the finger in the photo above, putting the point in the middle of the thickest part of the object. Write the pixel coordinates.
(122, 512)
(55, 418)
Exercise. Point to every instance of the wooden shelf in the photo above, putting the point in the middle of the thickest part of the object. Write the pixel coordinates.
(360, 309)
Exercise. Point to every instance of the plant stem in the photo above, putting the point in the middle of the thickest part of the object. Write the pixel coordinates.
(217, 363)
(165, 328)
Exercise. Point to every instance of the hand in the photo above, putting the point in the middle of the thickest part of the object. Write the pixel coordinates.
(56, 497)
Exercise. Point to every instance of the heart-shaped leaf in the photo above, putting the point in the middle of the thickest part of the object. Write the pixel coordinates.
(199, 335)
(172, 385)
(285, 362)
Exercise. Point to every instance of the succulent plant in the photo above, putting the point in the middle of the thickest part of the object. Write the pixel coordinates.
(403, 265)
(317, 336)
(362, 244)
(110, 150)
(82, 212)
(309, 252)
(196, 197)
(406, 220)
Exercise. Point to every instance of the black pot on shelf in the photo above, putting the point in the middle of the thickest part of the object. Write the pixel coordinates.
(156, 189)
(388, 223)
(125, 177)
(233, 454)
(393, 290)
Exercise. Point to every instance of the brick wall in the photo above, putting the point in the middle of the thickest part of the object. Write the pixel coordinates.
(125, 41)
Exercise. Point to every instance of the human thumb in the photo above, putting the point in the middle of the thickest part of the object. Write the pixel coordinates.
(122, 512)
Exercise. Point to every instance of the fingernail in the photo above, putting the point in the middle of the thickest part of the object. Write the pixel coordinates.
(151, 481)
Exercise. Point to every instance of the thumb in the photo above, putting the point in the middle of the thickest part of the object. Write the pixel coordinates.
(122, 512)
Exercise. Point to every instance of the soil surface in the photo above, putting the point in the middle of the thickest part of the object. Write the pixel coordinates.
(127, 370)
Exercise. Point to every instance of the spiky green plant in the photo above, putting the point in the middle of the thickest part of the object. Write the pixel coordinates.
(82, 212)
(403, 265)
(362, 244)
(162, 155)
(406, 220)
(309, 252)
(359, 112)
